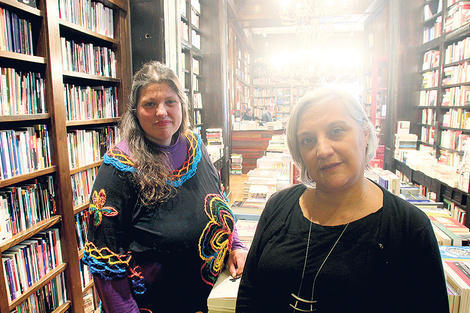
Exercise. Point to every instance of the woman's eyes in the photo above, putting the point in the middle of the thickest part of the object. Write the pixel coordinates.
(307, 141)
(334, 134)
(337, 131)
(152, 104)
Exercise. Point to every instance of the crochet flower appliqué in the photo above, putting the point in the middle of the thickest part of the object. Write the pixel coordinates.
(216, 239)
(97, 207)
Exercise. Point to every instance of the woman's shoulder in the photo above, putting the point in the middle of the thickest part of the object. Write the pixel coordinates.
(286, 196)
(397, 206)
(119, 157)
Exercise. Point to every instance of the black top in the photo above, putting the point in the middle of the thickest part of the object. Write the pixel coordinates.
(172, 252)
(387, 261)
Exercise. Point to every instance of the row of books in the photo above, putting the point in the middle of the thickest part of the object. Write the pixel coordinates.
(85, 276)
(428, 116)
(434, 31)
(236, 164)
(92, 15)
(431, 59)
(28, 262)
(264, 92)
(427, 134)
(22, 207)
(427, 97)
(457, 51)
(184, 30)
(16, 33)
(215, 143)
(430, 9)
(457, 96)
(82, 183)
(45, 299)
(456, 118)
(81, 226)
(88, 58)
(430, 79)
(457, 16)
(456, 74)
(87, 146)
(21, 92)
(453, 139)
(90, 102)
(24, 150)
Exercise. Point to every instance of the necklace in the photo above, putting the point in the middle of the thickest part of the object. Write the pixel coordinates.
(309, 304)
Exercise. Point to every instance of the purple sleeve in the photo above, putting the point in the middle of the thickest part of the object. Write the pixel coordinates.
(237, 244)
(115, 295)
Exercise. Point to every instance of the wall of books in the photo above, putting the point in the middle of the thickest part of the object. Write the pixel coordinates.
(64, 74)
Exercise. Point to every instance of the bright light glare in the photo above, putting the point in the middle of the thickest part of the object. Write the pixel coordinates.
(284, 3)
(342, 58)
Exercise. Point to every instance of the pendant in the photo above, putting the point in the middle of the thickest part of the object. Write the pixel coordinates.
(304, 303)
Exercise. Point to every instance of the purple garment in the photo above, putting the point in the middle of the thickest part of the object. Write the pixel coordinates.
(118, 295)
(177, 152)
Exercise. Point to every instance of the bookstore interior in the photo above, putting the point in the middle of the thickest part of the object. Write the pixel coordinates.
(66, 71)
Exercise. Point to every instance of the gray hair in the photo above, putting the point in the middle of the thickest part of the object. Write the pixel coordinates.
(320, 98)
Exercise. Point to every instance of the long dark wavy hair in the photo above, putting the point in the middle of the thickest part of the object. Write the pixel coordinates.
(152, 164)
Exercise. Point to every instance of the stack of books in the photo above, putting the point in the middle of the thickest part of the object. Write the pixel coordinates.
(223, 296)
(215, 143)
(456, 262)
(236, 164)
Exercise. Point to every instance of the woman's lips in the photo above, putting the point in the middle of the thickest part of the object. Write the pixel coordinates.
(329, 166)
(163, 123)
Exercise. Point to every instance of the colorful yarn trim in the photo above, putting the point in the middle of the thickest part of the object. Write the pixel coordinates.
(189, 167)
(106, 263)
(215, 241)
(120, 160)
(98, 209)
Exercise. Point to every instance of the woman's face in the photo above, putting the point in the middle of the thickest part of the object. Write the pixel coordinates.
(159, 112)
(332, 146)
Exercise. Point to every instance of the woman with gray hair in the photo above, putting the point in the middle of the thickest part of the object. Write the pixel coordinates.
(338, 242)
(160, 230)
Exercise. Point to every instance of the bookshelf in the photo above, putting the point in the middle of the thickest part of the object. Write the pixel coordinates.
(283, 96)
(443, 97)
(64, 102)
(192, 60)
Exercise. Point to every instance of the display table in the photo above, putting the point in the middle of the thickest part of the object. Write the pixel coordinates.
(252, 144)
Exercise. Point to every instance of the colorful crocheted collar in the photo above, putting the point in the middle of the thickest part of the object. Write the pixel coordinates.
(120, 158)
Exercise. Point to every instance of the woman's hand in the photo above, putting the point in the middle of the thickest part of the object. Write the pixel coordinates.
(236, 262)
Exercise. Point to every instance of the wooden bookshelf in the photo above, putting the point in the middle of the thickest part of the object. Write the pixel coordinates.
(49, 24)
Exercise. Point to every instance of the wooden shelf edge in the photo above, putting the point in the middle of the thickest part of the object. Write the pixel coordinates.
(25, 117)
(90, 77)
(22, 57)
(80, 208)
(63, 307)
(87, 31)
(96, 121)
(38, 285)
(88, 286)
(22, 7)
(85, 167)
(23, 235)
(27, 176)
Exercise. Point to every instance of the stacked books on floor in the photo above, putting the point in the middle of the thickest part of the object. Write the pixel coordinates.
(236, 167)
(456, 262)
